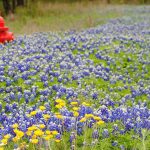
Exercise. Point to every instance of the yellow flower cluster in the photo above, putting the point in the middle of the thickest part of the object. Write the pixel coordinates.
(46, 116)
(57, 140)
(34, 141)
(83, 119)
(32, 128)
(19, 135)
(33, 113)
(42, 108)
(36, 132)
(41, 126)
(86, 104)
(76, 114)
(74, 103)
(14, 126)
(60, 103)
(5, 139)
(100, 122)
(91, 116)
(48, 135)
(75, 108)
(58, 115)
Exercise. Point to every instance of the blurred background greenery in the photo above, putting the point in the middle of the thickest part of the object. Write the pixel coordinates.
(28, 16)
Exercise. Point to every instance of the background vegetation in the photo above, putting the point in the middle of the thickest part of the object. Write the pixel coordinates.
(59, 15)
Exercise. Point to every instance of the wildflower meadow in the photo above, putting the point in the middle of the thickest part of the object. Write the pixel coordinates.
(78, 90)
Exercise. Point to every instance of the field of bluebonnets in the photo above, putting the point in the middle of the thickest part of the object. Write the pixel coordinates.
(87, 90)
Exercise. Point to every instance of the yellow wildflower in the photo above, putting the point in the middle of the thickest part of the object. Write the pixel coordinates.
(62, 103)
(46, 116)
(48, 137)
(33, 113)
(33, 127)
(42, 126)
(48, 132)
(89, 115)
(34, 136)
(85, 104)
(97, 118)
(57, 140)
(75, 108)
(29, 133)
(7, 136)
(4, 141)
(74, 103)
(38, 132)
(58, 106)
(59, 116)
(16, 130)
(15, 125)
(42, 108)
(15, 139)
(83, 120)
(1, 148)
(34, 141)
(19, 134)
(76, 114)
(54, 132)
(100, 122)
(59, 100)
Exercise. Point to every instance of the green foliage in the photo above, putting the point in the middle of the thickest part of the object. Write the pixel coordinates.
(48, 16)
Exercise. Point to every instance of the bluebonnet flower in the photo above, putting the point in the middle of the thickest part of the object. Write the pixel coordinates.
(95, 134)
(114, 143)
(105, 133)
(72, 137)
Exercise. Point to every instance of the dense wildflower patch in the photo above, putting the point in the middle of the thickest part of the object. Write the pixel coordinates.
(79, 88)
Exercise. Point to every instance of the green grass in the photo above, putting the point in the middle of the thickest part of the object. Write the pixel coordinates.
(46, 16)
